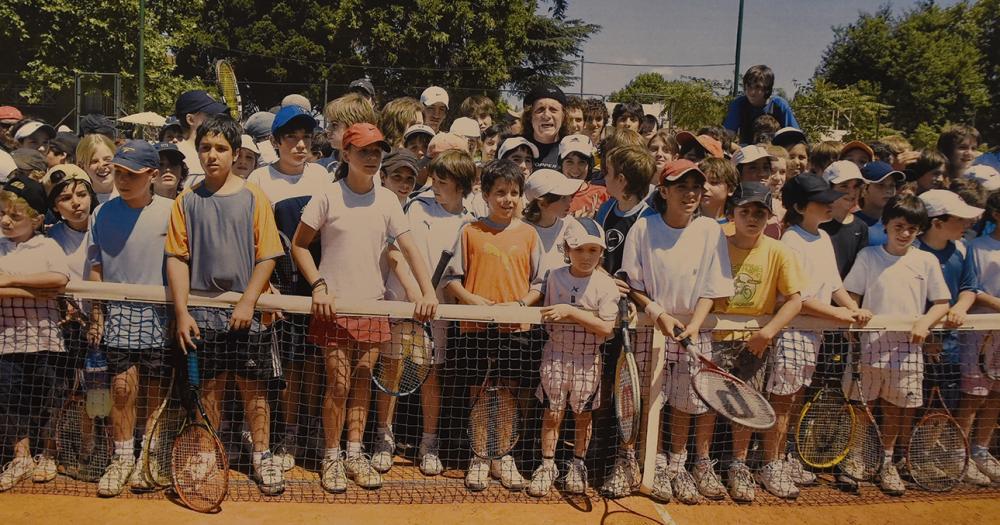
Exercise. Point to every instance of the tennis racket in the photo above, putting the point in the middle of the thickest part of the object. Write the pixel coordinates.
(627, 394)
(164, 426)
(823, 433)
(285, 276)
(866, 451)
(727, 394)
(84, 443)
(401, 369)
(938, 451)
(225, 78)
(494, 420)
(442, 265)
(199, 466)
(987, 363)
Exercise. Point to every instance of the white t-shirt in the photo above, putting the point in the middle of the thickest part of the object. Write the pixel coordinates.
(289, 194)
(985, 253)
(897, 285)
(354, 229)
(553, 247)
(596, 294)
(676, 267)
(28, 326)
(74, 245)
(819, 264)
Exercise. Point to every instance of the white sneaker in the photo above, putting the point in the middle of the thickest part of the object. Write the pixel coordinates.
(741, 485)
(505, 469)
(477, 478)
(45, 469)
(988, 465)
(889, 480)
(974, 476)
(775, 479)
(542, 480)
(18, 470)
(361, 471)
(662, 489)
(382, 453)
(800, 476)
(683, 486)
(621, 481)
(116, 476)
(430, 463)
(576, 478)
(708, 483)
(333, 476)
(284, 452)
(269, 475)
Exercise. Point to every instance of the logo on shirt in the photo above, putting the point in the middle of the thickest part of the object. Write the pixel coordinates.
(614, 239)
(745, 282)
(505, 258)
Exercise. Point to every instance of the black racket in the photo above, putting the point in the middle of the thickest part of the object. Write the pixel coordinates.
(495, 420)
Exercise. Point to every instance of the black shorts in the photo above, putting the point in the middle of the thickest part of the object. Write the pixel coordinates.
(28, 394)
(248, 355)
(517, 355)
(291, 335)
(153, 362)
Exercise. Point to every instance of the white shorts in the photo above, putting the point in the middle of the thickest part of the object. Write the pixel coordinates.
(570, 378)
(677, 388)
(901, 388)
(974, 381)
(793, 362)
(401, 337)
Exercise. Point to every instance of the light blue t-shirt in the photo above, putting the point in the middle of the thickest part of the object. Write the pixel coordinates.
(128, 245)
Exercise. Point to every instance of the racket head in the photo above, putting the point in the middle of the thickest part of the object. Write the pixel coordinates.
(494, 423)
(199, 468)
(867, 451)
(159, 444)
(225, 76)
(627, 398)
(733, 399)
(823, 432)
(938, 452)
(402, 367)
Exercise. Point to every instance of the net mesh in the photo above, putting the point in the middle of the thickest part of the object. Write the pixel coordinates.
(304, 373)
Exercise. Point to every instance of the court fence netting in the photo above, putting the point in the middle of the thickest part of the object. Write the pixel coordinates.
(53, 350)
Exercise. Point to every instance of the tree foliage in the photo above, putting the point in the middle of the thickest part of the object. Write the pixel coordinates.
(821, 108)
(689, 103)
(930, 64)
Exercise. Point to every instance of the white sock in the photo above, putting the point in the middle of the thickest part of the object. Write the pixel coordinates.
(578, 461)
(888, 457)
(630, 454)
(428, 440)
(382, 431)
(979, 451)
(548, 462)
(353, 449)
(662, 460)
(257, 456)
(125, 448)
(153, 442)
(677, 461)
(332, 453)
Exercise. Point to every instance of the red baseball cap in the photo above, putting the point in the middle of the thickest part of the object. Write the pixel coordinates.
(712, 146)
(10, 113)
(676, 169)
(363, 134)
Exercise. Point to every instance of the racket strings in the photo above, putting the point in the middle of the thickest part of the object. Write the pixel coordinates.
(626, 401)
(159, 448)
(200, 471)
(937, 452)
(824, 433)
(494, 423)
(404, 367)
(864, 460)
(734, 400)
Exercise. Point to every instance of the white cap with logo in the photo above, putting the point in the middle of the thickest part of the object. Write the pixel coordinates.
(434, 95)
(545, 181)
(842, 171)
(583, 230)
(944, 202)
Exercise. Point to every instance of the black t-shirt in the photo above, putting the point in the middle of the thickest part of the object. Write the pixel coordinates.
(548, 156)
(848, 240)
(616, 227)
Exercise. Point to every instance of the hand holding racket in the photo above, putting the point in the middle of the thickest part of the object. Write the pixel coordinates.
(725, 393)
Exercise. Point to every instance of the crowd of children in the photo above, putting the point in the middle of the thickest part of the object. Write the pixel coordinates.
(560, 205)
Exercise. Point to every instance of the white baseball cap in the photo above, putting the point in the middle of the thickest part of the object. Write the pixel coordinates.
(28, 129)
(296, 100)
(248, 143)
(576, 144)
(944, 202)
(7, 165)
(583, 230)
(751, 153)
(513, 143)
(465, 127)
(842, 171)
(988, 176)
(434, 95)
(417, 129)
(545, 181)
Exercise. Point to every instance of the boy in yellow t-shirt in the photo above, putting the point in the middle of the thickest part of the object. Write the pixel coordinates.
(762, 269)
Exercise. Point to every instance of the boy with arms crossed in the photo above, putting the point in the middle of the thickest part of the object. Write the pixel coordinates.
(222, 237)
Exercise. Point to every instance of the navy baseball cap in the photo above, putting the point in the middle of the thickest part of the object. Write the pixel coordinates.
(289, 116)
(137, 155)
(808, 188)
(875, 172)
(169, 149)
(198, 101)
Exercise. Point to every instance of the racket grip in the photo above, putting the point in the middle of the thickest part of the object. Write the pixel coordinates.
(441, 267)
(194, 373)
(686, 342)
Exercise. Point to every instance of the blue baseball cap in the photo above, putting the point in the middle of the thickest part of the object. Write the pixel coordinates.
(198, 101)
(169, 149)
(292, 115)
(137, 155)
(876, 171)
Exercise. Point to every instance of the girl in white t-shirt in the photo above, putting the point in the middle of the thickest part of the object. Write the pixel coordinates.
(355, 218)
(549, 195)
(808, 203)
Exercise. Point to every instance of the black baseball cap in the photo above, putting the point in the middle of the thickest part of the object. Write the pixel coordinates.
(65, 142)
(30, 190)
(169, 149)
(363, 85)
(544, 90)
(97, 124)
(400, 158)
(198, 101)
(28, 159)
(752, 191)
(808, 188)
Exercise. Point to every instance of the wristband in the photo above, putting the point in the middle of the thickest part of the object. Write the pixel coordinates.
(654, 310)
(317, 283)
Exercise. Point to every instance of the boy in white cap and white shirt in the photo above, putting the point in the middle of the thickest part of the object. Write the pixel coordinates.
(548, 194)
(435, 101)
(521, 152)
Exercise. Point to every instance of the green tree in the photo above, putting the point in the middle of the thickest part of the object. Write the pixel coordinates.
(822, 109)
(927, 63)
(689, 103)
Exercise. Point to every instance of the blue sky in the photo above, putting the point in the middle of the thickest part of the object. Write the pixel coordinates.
(788, 35)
